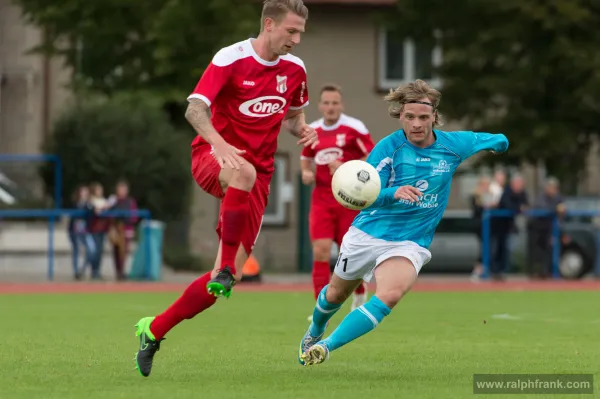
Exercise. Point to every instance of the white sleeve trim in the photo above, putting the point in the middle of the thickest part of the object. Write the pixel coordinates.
(300, 107)
(200, 97)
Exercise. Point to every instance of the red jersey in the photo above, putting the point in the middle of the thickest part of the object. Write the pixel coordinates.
(346, 140)
(249, 98)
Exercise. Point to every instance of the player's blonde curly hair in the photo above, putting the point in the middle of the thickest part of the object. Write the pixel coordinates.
(277, 9)
(412, 92)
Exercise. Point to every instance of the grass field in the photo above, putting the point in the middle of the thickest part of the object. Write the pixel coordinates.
(82, 346)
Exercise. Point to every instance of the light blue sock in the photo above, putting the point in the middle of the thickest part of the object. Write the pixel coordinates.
(359, 322)
(322, 313)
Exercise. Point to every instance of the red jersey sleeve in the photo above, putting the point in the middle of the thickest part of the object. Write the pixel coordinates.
(215, 77)
(300, 99)
(363, 139)
(307, 153)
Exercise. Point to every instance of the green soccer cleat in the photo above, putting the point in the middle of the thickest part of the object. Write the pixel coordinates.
(316, 354)
(148, 346)
(307, 341)
(222, 284)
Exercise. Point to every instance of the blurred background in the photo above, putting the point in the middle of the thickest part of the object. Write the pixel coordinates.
(93, 93)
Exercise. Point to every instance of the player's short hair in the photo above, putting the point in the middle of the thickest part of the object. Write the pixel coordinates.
(277, 9)
(330, 87)
(411, 93)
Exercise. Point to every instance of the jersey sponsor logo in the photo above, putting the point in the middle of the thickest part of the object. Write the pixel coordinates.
(248, 83)
(263, 106)
(422, 185)
(302, 89)
(281, 84)
(425, 201)
(328, 155)
(442, 167)
(422, 159)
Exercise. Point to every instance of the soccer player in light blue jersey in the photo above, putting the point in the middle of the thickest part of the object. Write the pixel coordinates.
(389, 240)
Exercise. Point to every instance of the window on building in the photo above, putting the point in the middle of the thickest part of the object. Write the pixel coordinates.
(403, 60)
(277, 213)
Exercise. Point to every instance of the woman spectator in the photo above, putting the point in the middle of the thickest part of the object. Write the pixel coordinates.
(79, 233)
(122, 228)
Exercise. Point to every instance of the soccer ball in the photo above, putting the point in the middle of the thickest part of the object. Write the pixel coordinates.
(356, 185)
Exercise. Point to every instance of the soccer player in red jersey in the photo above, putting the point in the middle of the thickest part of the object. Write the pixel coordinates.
(238, 107)
(341, 138)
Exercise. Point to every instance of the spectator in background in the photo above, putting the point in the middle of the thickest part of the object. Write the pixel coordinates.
(514, 199)
(78, 231)
(122, 228)
(497, 187)
(480, 200)
(98, 226)
(540, 231)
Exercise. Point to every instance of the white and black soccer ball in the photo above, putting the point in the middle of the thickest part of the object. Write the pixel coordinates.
(356, 184)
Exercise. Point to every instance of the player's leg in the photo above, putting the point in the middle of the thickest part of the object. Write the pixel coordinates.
(354, 258)
(395, 274)
(344, 219)
(329, 301)
(321, 220)
(196, 298)
(234, 215)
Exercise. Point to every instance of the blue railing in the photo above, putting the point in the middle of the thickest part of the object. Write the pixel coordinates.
(486, 234)
(53, 214)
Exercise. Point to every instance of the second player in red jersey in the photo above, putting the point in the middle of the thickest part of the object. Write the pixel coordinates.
(341, 138)
(248, 91)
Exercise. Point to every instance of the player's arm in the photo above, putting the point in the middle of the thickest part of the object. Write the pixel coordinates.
(381, 158)
(213, 80)
(364, 141)
(294, 121)
(307, 157)
(470, 143)
(198, 115)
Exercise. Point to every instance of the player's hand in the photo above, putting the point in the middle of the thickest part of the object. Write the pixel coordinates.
(408, 193)
(309, 136)
(228, 155)
(308, 176)
(333, 166)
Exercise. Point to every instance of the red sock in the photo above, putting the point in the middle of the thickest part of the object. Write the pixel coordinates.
(320, 276)
(234, 216)
(194, 300)
(360, 289)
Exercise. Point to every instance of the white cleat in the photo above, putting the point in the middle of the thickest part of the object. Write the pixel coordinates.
(316, 354)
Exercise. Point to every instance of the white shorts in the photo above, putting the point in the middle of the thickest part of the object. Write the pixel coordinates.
(361, 253)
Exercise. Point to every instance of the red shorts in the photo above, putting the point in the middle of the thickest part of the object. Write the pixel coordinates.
(327, 218)
(206, 169)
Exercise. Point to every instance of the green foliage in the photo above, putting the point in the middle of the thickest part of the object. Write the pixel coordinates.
(125, 137)
(156, 45)
(179, 258)
(527, 68)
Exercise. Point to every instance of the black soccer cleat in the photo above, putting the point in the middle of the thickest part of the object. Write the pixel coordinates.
(148, 346)
(222, 284)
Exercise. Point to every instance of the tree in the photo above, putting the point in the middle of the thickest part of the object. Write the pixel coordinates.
(161, 46)
(127, 137)
(527, 68)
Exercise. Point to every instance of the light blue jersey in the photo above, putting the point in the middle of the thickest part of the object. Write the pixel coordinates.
(430, 170)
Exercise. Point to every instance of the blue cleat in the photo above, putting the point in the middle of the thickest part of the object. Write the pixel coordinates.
(307, 341)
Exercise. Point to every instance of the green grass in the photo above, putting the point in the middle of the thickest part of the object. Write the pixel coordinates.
(82, 346)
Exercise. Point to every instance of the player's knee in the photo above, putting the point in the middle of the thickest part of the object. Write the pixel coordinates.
(337, 294)
(392, 296)
(321, 252)
(244, 177)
